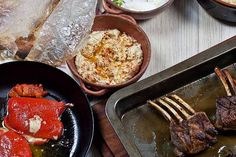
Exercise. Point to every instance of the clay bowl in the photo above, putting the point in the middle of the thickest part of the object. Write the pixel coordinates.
(124, 24)
(111, 8)
(226, 4)
(220, 10)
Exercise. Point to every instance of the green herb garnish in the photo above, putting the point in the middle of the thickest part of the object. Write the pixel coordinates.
(119, 2)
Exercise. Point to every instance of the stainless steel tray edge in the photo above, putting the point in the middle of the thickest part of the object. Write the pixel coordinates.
(199, 59)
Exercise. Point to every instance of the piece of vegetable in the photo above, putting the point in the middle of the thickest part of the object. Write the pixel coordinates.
(36, 117)
(13, 145)
(119, 2)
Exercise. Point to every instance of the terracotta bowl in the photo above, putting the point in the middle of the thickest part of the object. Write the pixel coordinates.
(124, 24)
(226, 4)
(112, 8)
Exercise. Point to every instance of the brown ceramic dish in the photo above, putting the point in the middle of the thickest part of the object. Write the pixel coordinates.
(112, 8)
(226, 3)
(105, 22)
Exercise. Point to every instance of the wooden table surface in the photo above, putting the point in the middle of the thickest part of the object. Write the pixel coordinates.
(181, 31)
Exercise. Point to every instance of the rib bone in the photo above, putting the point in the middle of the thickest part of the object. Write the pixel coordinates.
(164, 101)
(177, 106)
(231, 80)
(181, 101)
(223, 80)
(163, 112)
(166, 115)
(170, 109)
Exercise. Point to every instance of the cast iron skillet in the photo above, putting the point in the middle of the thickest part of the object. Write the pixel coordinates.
(78, 120)
(219, 11)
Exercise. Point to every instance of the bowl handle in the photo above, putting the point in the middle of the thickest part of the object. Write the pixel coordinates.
(129, 18)
(110, 9)
(100, 92)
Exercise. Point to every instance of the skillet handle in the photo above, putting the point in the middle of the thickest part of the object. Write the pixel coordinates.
(91, 92)
(109, 9)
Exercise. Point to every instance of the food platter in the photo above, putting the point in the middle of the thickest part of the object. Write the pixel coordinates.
(77, 120)
(142, 130)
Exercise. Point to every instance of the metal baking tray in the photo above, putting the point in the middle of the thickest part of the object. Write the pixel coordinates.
(142, 130)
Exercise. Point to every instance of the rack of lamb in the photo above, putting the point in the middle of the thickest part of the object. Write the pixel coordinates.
(226, 105)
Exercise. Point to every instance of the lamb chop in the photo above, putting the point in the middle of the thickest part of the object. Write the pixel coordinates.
(226, 105)
(193, 132)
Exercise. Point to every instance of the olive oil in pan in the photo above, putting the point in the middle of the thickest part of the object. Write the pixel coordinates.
(58, 148)
(62, 146)
(150, 131)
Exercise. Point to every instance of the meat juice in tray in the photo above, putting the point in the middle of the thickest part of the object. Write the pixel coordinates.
(150, 131)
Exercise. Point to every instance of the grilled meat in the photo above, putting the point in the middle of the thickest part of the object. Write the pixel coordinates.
(193, 133)
(226, 106)
(226, 113)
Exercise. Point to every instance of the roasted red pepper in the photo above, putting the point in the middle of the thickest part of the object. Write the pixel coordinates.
(27, 90)
(13, 145)
(37, 117)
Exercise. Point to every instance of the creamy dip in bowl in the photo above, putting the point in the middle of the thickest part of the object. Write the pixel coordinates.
(141, 5)
(109, 58)
(138, 9)
(131, 52)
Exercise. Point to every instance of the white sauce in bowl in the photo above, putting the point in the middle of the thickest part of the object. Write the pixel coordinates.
(143, 5)
(230, 1)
